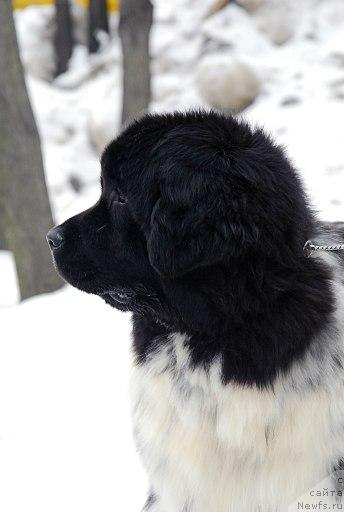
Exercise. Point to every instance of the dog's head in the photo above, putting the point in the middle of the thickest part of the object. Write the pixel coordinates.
(186, 199)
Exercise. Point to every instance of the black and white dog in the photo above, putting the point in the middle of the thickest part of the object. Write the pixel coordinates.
(238, 380)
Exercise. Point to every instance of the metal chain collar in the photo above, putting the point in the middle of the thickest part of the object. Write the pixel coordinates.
(309, 248)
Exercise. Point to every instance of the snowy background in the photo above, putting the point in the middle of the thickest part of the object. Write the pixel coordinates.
(65, 436)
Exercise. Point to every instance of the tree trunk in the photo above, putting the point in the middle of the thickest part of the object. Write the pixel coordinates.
(134, 28)
(2, 239)
(63, 36)
(24, 204)
(98, 20)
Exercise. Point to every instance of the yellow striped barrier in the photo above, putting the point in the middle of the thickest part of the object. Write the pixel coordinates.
(113, 5)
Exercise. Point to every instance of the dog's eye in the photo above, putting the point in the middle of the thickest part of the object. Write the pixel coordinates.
(118, 197)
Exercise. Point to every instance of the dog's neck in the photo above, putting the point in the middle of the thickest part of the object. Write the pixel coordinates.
(273, 313)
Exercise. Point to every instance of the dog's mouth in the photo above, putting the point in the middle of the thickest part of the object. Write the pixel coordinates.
(135, 298)
(121, 296)
(90, 282)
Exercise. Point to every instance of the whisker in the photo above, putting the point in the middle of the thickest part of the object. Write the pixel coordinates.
(101, 227)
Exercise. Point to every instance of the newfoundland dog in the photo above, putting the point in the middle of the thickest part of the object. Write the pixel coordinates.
(238, 353)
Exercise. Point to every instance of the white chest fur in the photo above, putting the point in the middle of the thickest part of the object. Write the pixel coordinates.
(226, 448)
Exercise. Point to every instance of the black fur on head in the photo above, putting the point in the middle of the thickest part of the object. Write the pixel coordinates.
(200, 227)
(212, 189)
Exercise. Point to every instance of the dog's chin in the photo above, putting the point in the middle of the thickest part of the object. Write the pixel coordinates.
(136, 299)
(88, 282)
(117, 297)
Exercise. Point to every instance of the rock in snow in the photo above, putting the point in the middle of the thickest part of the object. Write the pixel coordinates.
(227, 82)
(278, 20)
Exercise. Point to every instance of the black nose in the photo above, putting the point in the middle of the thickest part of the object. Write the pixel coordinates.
(55, 238)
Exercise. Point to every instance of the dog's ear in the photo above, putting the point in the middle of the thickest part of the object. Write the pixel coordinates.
(198, 220)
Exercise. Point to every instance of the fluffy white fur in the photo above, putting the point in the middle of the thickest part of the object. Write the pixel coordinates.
(229, 448)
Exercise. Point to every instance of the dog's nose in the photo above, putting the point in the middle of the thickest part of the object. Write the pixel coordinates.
(55, 238)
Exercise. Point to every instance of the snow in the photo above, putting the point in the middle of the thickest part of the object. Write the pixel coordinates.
(65, 435)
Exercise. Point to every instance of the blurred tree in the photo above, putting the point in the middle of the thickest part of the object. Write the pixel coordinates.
(2, 240)
(97, 20)
(24, 205)
(136, 17)
(63, 39)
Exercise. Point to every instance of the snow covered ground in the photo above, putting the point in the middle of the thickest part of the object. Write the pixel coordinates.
(65, 436)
